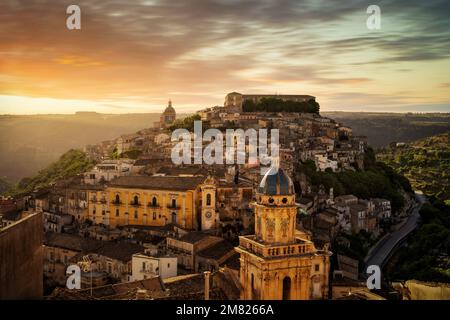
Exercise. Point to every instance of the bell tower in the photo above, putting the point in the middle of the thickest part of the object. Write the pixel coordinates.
(209, 214)
(278, 262)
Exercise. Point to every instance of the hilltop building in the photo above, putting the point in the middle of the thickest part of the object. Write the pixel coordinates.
(236, 99)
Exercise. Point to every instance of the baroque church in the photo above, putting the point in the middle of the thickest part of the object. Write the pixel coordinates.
(167, 118)
(280, 262)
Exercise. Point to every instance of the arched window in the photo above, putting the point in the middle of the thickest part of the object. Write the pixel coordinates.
(117, 199)
(287, 288)
(174, 217)
(208, 199)
(136, 200)
(154, 202)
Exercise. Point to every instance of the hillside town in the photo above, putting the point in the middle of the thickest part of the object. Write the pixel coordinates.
(142, 227)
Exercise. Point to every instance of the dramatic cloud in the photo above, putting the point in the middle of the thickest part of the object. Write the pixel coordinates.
(196, 51)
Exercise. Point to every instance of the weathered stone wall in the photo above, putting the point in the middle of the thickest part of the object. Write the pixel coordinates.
(21, 260)
(428, 290)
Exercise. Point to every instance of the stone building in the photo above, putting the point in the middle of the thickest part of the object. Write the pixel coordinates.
(147, 201)
(236, 99)
(167, 118)
(279, 262)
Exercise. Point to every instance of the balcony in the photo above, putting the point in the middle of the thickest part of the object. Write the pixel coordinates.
(272, 251)
(135, 204)
(116, 203)
(173, 207)
(150, 272)
(151, 205)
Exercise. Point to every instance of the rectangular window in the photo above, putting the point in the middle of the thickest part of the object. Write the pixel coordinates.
(135, 214)
(317, 267)
(117, 212)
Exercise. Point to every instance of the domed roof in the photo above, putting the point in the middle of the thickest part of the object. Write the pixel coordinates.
(276, 182)
(169, 108)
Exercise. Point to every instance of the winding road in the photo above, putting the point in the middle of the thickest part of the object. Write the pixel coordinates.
(384, 249)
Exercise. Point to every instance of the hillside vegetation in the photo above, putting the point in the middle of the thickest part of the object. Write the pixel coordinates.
(376, 181)
(384, 128)
(185, 123)
(426, 163)
(278, 105)
(31, 142)
(70, 164)
(426, 257)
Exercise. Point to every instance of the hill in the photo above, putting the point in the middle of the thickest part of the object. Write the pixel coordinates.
(30, 143)
(70, 164)
(384, 128)
(426, 163)
(376, 181)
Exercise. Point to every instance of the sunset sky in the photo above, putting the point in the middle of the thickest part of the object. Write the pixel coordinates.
(134, 55)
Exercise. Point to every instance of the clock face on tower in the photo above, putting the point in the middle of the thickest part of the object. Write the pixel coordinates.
(208, 214)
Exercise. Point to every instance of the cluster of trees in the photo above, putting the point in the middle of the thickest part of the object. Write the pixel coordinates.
(131, 154)
(70, 164)
(376, 181)
(185, 123)
(279, 105)
(426, 256)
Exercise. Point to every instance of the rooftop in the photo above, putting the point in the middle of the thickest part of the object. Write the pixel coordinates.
(217, 250)
(157, 182)
(122, 251)
(194, 237)
(71, 242)
(127, 290)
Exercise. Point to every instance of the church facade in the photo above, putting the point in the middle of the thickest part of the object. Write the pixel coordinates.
(279, 262)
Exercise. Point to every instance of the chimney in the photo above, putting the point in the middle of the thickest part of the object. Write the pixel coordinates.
(207, 276)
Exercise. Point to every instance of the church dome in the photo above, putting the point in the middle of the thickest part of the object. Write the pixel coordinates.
(169, 108)
(276, 182)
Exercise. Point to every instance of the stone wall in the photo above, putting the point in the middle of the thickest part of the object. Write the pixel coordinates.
(21, 260)
(428, 291)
